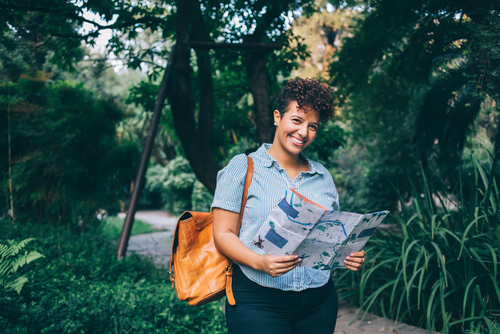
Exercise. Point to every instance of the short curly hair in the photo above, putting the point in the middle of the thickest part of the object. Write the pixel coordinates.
(309, 94)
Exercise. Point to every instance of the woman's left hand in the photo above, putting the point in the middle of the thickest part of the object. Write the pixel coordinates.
(355, 260)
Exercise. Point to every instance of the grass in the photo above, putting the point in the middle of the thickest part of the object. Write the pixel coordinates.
(438, 268)
(112, 227)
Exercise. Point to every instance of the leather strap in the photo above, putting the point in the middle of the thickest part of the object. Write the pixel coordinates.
(248, 181)
(229, 271)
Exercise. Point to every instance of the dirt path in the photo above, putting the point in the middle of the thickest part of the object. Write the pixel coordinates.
(158, 246)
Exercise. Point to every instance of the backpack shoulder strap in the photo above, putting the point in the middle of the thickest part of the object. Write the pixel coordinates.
(248, 181)
(229, 270)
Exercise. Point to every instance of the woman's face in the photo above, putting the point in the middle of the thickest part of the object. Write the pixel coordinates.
(296, 129)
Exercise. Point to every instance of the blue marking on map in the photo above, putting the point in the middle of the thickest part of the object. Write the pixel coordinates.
(335, 222)
(288, 209)
(276, 239)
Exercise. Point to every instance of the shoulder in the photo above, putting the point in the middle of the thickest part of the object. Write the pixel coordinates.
(237, 165)
(230, 183)
(236, 168)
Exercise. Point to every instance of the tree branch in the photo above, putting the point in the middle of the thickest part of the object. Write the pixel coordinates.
(72, 15)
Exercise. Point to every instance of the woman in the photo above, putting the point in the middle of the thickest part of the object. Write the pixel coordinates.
(274, 294)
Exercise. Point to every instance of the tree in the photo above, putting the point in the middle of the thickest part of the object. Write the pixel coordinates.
(68, 161)
(420, 62)
(183, 21)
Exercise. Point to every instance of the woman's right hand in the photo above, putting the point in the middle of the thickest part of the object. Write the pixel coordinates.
(278, 265)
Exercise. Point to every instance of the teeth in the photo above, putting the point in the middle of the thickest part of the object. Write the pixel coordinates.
(295, 140)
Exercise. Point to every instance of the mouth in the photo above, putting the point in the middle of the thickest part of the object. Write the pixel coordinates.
(297, 141)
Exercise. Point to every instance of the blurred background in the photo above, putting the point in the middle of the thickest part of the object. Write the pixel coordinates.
(416, 85)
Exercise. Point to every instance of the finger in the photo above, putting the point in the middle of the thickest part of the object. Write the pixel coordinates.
(358, 254)
(285, 258)
(352, 268)
(355, 259)
(286, 265)
(353, 264)
(280, 271)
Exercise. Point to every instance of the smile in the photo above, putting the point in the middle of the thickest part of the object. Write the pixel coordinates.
(296, 141)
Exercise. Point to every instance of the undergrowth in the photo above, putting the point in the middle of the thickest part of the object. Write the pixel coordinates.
(436, 267)
(80, 287)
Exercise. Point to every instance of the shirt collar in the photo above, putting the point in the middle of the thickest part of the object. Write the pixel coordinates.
(268, 160)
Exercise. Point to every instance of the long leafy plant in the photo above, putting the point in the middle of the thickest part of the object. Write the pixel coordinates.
(437, 267)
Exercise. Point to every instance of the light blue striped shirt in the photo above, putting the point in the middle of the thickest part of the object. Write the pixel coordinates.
(268, 187)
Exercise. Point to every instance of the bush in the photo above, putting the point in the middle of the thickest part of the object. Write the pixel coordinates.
(67, 160)
(79, 286)
(179, 188)
(439, 269)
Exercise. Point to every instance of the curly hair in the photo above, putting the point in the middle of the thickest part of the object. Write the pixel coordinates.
(309, 94)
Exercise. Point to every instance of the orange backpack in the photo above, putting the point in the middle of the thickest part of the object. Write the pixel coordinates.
(198, 271)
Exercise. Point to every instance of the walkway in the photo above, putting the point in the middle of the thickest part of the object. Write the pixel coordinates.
(158, 245)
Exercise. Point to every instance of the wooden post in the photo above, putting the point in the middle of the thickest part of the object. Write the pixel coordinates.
(146, 154)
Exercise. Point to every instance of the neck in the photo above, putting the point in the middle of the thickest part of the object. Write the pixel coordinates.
(284, 158)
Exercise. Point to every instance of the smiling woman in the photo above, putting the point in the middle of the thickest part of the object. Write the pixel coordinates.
(274, 294)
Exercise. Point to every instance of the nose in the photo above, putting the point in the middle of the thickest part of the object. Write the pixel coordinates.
(303, 130)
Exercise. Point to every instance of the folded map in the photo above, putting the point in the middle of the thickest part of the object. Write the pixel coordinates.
(322, 238)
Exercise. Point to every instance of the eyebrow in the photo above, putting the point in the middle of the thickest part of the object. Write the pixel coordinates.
(296, 115)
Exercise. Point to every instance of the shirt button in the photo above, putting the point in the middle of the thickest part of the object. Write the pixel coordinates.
(300, 177)
(293, 188)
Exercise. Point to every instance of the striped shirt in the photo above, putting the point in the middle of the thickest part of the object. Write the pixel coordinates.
(268, 187)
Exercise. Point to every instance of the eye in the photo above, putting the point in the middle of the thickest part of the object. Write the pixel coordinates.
(296, 120)
(313, 127)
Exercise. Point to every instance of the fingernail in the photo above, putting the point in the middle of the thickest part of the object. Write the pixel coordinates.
(348, 257)
(299, 259)
(352, 254)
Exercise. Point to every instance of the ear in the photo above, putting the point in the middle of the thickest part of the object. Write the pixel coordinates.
(276, 116)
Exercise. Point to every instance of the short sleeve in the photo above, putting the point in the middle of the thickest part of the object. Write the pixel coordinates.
(230, 183)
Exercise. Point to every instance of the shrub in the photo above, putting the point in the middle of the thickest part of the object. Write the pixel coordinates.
(439, 269)
(178, 185)
(79, 286)
(67, 160)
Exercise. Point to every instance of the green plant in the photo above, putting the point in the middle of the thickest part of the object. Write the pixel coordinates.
(80, 286)
(438, 267)
(67, 160)
(11, 260)
(492, 327)
(178, 185)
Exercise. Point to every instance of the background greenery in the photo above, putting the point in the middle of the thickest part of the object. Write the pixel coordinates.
(416, 85)
(80, 286)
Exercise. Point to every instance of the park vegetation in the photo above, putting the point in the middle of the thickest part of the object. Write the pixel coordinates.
(417, 91)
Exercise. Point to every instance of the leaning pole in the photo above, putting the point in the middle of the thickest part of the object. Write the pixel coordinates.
(146, 154)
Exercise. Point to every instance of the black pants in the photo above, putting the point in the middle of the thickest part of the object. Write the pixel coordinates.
(261, 310)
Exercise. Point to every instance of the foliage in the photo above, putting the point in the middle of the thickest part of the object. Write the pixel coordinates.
(67, 161)
(178, 185)
(437, 268)
(79, 286)
(492, 327)
(412, 79)
(11, 261)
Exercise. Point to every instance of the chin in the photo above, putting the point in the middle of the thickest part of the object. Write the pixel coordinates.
(296, 149)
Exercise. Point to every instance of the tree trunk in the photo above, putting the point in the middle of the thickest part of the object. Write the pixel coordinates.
(195, 139)
(255, 63)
